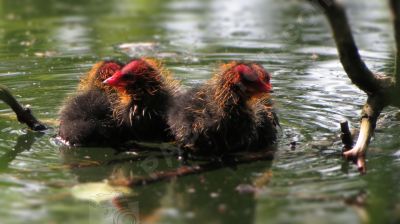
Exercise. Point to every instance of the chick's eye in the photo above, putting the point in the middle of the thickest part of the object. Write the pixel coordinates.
(267, 78)
(126, 77)
(249, 77)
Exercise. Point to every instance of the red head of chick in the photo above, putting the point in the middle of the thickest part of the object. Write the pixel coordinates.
(98, 73)
(251, 78)
(145, 90)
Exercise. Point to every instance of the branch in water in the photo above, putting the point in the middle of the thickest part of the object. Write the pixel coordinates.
(370, 114)
(379, 89)
(24, 115)
(346, 137)
(191, 170)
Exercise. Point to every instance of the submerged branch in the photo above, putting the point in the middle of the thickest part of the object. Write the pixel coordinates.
(24, 143)
(24, 115)
(191, 170)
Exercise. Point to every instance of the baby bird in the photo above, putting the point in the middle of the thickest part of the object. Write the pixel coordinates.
(86, 118)
(231, 112)
(145, 92)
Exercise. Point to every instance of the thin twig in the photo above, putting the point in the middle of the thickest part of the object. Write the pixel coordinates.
(346, 137)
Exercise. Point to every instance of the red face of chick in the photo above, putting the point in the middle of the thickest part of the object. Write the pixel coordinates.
(129, 73)
(107, 69)
(252, 78)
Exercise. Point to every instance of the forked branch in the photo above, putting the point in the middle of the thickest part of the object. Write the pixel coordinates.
(379, 89)
(370, 114)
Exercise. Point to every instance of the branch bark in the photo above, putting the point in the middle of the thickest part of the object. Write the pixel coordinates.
(24, 115)
(351, 60)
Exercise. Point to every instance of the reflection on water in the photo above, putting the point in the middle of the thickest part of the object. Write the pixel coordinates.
(46, 46)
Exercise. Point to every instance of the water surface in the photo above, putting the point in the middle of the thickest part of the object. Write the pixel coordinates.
(46, 46)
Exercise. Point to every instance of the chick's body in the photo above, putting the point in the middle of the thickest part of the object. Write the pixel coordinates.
(227, 114)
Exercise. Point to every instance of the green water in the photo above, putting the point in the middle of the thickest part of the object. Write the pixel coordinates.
(46, 46)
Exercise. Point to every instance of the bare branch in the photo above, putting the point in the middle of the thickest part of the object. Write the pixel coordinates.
(395, 8)
(24, 115)
(351, 60)
(381, 90)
